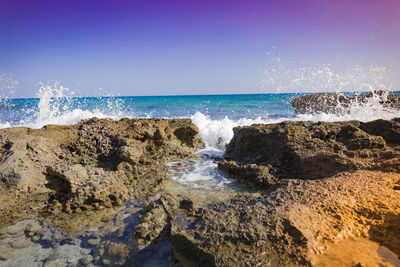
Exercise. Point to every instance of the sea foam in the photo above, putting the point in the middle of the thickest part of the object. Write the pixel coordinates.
(56, 104)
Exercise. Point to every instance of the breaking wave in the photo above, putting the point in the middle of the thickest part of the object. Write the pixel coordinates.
(56, 104)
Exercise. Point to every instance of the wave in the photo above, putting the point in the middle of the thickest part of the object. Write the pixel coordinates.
(218, 133)
(56, 105)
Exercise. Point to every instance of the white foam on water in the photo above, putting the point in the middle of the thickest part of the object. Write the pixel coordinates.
(55, 107)
(5, 125)
(201, 172)
(370, 110)
(218, 133)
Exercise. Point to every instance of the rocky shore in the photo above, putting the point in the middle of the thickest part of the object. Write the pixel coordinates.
(316, 184)
(314, 194)
(88, 166)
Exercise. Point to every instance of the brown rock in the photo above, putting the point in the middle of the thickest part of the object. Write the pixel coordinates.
(293, 221)
(263, 154)
(318, 184)
(90, 164)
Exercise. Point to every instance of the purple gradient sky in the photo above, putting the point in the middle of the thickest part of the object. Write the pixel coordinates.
(187, 47)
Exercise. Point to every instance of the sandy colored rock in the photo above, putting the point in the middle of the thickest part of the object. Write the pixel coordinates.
(155, 222)
(293, 221)
(357, 252)
(95, 163)
(316, 185)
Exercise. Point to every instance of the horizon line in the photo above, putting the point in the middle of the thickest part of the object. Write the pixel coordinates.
(189, 95)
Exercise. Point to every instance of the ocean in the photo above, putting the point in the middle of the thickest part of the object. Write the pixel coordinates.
(214, 115)
(198, 177)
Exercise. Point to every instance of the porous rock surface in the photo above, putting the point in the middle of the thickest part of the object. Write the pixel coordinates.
(292, 222)
(94, 164)
(340, 103)
(315, 185)
(262, 154)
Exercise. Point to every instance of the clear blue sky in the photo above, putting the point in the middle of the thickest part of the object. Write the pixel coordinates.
(163, 47)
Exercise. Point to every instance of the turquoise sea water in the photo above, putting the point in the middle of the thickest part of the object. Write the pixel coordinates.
(251, 106)
(234, 107)
(215, 115)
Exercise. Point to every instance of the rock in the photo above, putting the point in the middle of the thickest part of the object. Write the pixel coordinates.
(20, 243)
(119, 253)
(18, 228)
(291, 221)
(86, 260)
(316, 184)
(5, 256)
(155, 222)
(35, 230)
(35, 238)
(151, 225)
(262, 154)
(106, 262)
(340, 104)
(53, 263)
(95, 163)
(186, 204)
(94, 241)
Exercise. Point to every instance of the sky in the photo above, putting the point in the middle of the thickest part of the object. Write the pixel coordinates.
(159, 47)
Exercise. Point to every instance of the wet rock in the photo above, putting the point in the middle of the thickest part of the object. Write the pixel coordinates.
(20, 243)
(94, 241)
(340, 104)
(5, 256)
(291, 221)
(54, 255)
(35, 238)
(106, 262)
(186, 204)
(18, 228)
(86, 260)
(93, 164)
(155, 223)
(317, 184)
(53, 263)
(152, 224)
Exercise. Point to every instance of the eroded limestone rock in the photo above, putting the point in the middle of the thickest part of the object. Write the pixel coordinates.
(93, 164)
(262, 154)
(291, 222)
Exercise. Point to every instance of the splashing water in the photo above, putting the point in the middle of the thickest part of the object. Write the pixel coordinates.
(217, 133)
(7, 85)
(371, 108)
(214, 115)
(56, 104)
(291, 77)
